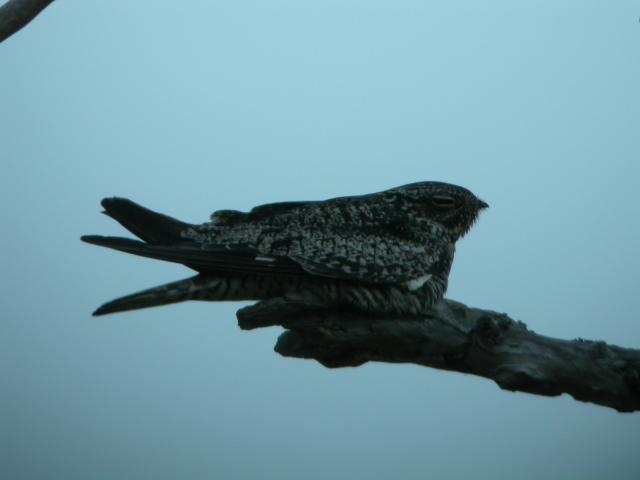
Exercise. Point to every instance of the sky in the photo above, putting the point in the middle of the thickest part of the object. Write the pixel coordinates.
(190, 108)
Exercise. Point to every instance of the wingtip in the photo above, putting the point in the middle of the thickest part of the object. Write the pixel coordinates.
(100, 311)
(92, 239)
(105, 309)
(117, 243)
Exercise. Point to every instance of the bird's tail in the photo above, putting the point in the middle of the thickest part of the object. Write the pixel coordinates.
(187, 289)
(202, 287)
(225, 274)
(199, 287)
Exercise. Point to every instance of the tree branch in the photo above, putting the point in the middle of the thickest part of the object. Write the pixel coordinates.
(15, 14)
(459, 338)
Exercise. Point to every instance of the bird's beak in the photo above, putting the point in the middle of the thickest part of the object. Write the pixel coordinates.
(482, 205)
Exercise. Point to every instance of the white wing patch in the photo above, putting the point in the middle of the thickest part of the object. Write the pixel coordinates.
(416, 283)
(265, 259)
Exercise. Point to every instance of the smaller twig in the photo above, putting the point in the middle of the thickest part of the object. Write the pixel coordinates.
(15, 14)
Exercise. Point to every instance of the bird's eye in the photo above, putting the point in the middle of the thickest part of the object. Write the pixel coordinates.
(443, 201)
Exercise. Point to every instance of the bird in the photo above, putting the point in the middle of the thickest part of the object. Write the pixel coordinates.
(384, 253)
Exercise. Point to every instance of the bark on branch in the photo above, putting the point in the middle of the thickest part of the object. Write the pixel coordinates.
(15, 14)
(460, 338)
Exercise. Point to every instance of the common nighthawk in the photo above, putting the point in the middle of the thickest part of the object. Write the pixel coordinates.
(385, 253)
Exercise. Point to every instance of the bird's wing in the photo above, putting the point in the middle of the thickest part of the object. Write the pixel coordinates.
(347, 255)
(204, 258)
(369, 257)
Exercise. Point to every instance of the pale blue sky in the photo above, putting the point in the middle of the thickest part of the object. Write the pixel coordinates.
(191, 107)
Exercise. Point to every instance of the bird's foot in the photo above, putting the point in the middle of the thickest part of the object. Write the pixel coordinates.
(275, 311)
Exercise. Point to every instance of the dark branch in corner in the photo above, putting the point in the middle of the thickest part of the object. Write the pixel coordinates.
(463, 339)
(15, 14)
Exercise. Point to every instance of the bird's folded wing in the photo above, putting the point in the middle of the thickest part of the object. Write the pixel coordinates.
(374, 258)
(204, 258)
(347, 255)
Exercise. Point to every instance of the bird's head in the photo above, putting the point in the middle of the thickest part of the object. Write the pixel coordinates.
(454, 207)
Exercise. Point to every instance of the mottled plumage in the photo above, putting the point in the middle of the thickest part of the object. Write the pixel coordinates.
(384, 253)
